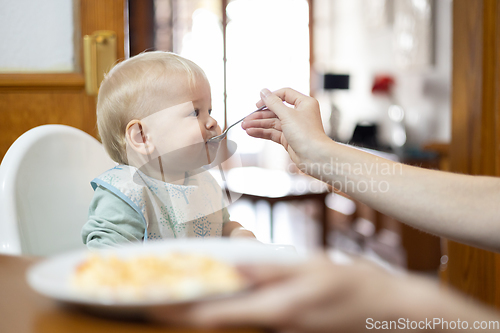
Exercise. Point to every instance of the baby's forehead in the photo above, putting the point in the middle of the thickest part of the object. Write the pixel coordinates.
(180, 85)
(183, 74)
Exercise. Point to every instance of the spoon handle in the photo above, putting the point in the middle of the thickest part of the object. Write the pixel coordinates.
(223, 135)
(239, 121)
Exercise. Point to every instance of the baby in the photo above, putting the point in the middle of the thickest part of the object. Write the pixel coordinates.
(153, 116)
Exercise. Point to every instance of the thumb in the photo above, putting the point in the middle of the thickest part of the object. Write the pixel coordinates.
(273, 103)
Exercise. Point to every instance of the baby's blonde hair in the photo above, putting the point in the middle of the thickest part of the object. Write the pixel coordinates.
(134, 89)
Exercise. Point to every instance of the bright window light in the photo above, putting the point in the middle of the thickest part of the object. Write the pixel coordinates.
(267, 47)
(204, 45)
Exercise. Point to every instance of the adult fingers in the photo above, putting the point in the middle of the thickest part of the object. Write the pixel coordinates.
(268, 134)
(263, 273)
(259, 115)
(267, 307)
(284, 292)
(288, 95)
(292, 96)
(264, 114)
(267, 273)
(280, 293)
(262, 123)
(274, 103)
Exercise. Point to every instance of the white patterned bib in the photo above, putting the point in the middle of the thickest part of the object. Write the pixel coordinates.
(194, 209)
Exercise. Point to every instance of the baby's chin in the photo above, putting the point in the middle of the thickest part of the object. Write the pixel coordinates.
(199, 155)
(211, 149)
(190, 157)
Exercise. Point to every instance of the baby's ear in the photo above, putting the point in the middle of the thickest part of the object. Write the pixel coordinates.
(137, 139)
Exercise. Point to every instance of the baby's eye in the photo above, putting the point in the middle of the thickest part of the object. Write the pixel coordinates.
(195, 113)
(210, 111)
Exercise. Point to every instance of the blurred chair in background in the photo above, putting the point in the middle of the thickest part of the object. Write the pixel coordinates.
(45, 189)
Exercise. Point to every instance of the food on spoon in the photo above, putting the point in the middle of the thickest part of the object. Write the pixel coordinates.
(174, 276)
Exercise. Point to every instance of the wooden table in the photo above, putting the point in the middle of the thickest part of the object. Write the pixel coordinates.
(22, 310)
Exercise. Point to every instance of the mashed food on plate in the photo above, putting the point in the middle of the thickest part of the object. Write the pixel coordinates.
(174, 276)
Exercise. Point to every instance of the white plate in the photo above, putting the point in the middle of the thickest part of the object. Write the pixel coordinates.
(51, 277)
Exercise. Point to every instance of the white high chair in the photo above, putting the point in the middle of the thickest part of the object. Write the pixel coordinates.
(45, 189)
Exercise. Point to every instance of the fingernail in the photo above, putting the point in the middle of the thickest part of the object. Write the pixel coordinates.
(265, 92)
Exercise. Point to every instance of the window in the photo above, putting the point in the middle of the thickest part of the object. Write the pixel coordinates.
(267, 45)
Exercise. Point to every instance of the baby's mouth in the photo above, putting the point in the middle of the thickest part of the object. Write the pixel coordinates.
(208, 141)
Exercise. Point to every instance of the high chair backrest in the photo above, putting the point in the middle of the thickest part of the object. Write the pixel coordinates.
(45, 189)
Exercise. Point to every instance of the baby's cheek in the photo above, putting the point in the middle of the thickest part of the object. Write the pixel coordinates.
(191, 141)
(190, 133)
(195, 135)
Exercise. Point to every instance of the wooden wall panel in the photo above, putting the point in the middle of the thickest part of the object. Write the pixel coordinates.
(475, 145)
(24, 108)
(23, 111)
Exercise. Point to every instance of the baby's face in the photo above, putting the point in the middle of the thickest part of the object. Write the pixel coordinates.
(180, 132)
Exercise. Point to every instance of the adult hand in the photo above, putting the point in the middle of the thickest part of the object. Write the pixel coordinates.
(298, 129)
(317, 296)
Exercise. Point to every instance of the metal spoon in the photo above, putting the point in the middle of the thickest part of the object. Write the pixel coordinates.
(219, 138)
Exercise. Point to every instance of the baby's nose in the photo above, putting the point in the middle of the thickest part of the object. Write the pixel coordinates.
(211, 123)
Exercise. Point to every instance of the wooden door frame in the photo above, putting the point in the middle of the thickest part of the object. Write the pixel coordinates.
(475, 144)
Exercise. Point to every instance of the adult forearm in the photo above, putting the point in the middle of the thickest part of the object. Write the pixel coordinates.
(460, 207)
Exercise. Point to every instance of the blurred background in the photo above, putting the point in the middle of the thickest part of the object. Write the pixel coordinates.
(381, 70)
(415, 81)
